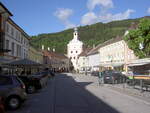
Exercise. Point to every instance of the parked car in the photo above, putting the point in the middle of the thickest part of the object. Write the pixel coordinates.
(51, 73)
(112, 77)
(34, 82)
(94, 73)
(12, 90)
(42, 77)
(2, 110)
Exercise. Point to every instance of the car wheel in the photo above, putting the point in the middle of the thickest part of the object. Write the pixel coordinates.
(30, 89)
(13, 102)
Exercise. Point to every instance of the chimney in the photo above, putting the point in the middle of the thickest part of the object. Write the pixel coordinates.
(48, 48)
(126, 32)
(53, 49)
(42, 47)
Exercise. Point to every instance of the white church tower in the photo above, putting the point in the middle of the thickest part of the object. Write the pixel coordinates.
(74, 48)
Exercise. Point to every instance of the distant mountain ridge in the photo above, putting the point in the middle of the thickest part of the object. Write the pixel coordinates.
(90, 35)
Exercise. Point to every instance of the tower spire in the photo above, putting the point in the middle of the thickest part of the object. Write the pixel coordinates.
(75, 33)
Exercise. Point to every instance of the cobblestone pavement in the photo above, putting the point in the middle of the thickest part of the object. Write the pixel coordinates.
(74, 93)
(136, 91)
(124, 101)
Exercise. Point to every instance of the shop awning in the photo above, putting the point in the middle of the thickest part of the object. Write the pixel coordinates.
(137, 64)
(23, 62)
(111, 64)
(4, 60)
(140, 62)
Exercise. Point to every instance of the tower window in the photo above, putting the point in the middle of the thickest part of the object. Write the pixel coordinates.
(74, 57)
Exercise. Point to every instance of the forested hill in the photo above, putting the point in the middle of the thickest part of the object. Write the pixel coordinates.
(90, 35)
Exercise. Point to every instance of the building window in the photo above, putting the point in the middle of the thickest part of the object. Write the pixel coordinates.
(7, 28)
(27, 43)
(12, 31)
(70, 57)
(24, 54)
(21, 38)
(12, 48)
(16, 35)
(76, 51)
(71, 51)
(74, 57)
(7, 44)
(18, 50)
(24, 41)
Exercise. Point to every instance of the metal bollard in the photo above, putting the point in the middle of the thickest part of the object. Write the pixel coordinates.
(141, 85)
(133, 82)
(123, 82)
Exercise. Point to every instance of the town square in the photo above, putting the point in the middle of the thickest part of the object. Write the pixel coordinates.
(83, 56)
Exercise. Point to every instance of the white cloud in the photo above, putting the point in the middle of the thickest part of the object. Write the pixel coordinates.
(89, 18)
(63, 15)
(148, 10)
(91, 4)
(103, 15)
(119, 16)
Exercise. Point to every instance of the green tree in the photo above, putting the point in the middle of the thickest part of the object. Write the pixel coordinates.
(139, 39)
(89, 34)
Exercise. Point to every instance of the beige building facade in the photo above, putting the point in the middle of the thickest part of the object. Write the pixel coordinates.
(115, 53)
(35, 55)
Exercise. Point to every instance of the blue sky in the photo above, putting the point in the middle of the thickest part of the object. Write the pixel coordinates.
(48, 16)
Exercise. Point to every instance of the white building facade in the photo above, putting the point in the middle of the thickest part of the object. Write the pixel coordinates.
(74, 48)
(13, 38)
(93, 57)
(83, 61)
(16, 40)
(94, 61)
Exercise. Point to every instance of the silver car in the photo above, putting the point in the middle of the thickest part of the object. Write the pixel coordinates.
(12, 89)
